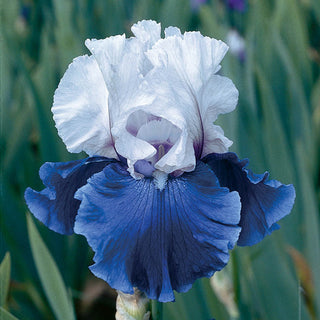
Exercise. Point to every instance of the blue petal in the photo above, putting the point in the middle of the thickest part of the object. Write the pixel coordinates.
(55, 206)
(158, 241)
(263, 202)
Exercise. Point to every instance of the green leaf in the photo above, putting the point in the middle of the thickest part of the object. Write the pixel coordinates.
(5, 267)
(49, 274)
(156, 310)
(198, 303)
(316, 8)
(5, 315)
(311, 234)
(175, 13)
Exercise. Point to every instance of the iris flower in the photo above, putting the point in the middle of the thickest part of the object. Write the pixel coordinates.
(160, 199)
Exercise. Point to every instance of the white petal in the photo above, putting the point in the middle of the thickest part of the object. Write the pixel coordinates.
(159, 131)
(172, 31)
(194, 56)
(184, 79)
(163, 135)
(218, 96)
(80, 109)
(173, 104)
(215, 141)
(147, 31)
(133, 148)
(118, 60)
(180, 157)
(141, 126)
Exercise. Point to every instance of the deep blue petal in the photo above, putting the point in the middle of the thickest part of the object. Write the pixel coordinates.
(158, 241)
(263, 202)
(55, 206)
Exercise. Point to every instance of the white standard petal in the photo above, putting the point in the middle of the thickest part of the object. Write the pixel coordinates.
(218, 96)
(147, 31)
(184, 78)
(175, 108)
(192, 55)
(172, 31)
(215, 141)
(80, 109)
(119, 60)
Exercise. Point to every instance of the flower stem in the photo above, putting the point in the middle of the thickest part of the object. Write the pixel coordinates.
(132, 306)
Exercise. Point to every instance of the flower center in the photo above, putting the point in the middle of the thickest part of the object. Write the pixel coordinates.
(158, 132)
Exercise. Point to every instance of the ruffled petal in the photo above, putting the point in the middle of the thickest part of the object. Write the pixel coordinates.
(55, 206)
(184, 80)
(147, 31)
(80, 109)
(172, 31)
(171, 79)
(181, 154)
(218, 96)
(263, 202)
(119, 60)
(192, 56)
(157, 241)
(215, 139)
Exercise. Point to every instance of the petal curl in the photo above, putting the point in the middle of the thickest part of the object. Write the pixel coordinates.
(80, 109)
(55, 206)
(263, 202)
(218, 96)
(147, 31)
(158, 241)
(184, 80)
(172, 31)
(119, 60)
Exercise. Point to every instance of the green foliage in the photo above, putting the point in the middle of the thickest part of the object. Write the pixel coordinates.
(5, 315)
(50, 277)
(4, 278)
(5, 267)
(276, 125)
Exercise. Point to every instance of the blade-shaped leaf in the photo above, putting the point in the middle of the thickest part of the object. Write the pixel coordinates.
(199, 303)
(49, 274)
(5, 267)
(5, 315)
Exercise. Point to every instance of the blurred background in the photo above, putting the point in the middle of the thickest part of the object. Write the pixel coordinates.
(274, 61)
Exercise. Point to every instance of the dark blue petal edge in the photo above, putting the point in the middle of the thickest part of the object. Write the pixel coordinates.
(55, 206)
(263, 202)
(157, 241)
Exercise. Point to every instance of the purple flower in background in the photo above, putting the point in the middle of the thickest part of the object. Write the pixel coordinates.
(160, 199)
(238, 5)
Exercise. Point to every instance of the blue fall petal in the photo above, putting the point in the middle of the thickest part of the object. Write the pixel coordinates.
(55, 206)
(157, 241)
(263, 202)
